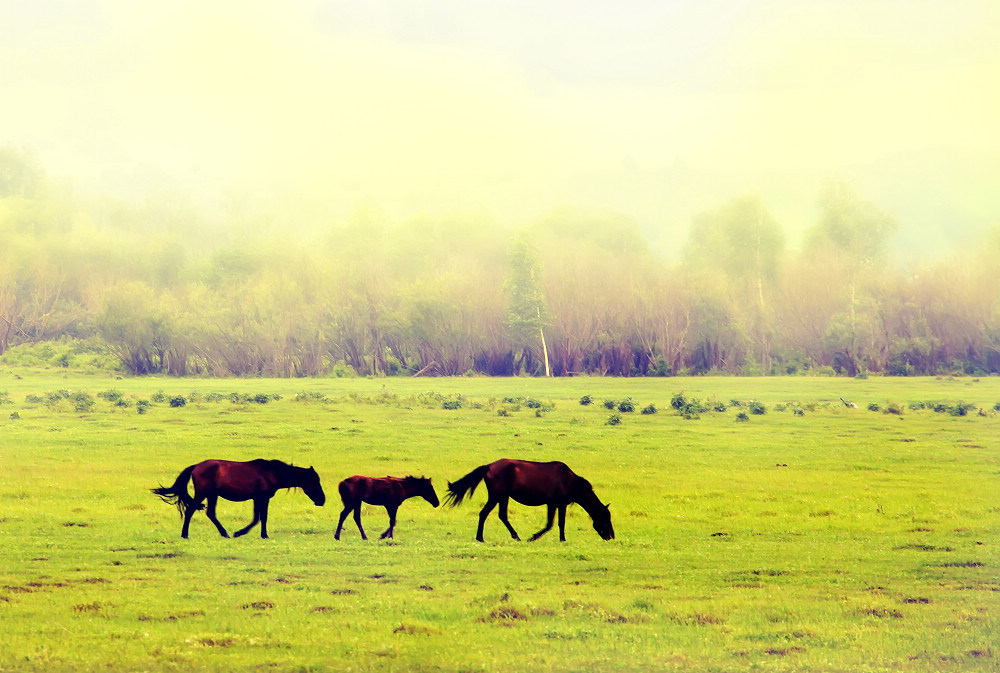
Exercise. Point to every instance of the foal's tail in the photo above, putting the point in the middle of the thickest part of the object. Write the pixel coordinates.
(178, 494)
(457, 490)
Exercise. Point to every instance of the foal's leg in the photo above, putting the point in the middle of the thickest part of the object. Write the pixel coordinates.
(343, 517)
(256, 518)
(357, 520)
(392, 521)
(548, 524)
(213, 500)
(503, 517)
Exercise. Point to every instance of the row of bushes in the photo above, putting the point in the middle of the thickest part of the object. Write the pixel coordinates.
(83, 402)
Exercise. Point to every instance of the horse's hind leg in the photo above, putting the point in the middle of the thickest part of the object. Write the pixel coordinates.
(483, 513)
(392, 522)
(548, 524)
(503, 517)
(256, 518)
(188, 513)
(357, 520)
(213, 500)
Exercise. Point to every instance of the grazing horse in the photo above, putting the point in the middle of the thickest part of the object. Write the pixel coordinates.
(533, 484)
(256, 480)
(389, 492)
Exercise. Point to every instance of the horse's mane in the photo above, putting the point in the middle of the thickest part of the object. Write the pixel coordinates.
(581, 485)
(281, 468)
(271, 463)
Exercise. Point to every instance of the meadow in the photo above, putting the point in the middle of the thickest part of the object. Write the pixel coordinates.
(811, 537)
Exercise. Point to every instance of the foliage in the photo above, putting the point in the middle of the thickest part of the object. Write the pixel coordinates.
(99, 284)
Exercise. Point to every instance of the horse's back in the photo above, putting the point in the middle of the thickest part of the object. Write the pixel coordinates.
(232, 479)
(530, 482)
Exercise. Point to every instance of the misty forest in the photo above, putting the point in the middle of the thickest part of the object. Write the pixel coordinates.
(164, 286)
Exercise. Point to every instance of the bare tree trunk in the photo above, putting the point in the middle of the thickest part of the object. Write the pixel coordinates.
(545, 348)
(545, 353)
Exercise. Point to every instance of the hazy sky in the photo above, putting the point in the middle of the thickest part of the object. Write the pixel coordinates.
(657, 109)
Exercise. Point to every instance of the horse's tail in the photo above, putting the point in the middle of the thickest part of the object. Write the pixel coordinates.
(178, 494)
(457, 490)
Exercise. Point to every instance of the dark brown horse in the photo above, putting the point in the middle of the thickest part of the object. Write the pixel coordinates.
(389, 492)
(534, 484)
(256, 480)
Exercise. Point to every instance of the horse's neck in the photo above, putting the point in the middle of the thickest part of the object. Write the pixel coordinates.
(286, 476)
(586, 498)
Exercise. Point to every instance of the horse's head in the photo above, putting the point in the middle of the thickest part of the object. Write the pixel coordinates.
(602, 521)
(425, 490)
(310, 484)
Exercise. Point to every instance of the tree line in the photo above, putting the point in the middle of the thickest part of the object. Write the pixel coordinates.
(165, 288)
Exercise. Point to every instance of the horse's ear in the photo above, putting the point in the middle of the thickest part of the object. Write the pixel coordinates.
(608, 505)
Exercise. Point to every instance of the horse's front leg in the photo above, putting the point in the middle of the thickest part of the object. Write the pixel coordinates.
(264, 503)
(551, 516)
(213, 500)
(392, 522)
(562, 523)
(503, 517)
(256, 518)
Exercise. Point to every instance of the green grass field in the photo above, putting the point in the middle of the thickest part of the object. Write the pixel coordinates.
(813, 537)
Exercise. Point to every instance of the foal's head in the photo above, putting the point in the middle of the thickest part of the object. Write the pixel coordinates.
(422, 486)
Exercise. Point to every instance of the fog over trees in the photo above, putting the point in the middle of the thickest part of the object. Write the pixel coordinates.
(168, 288)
